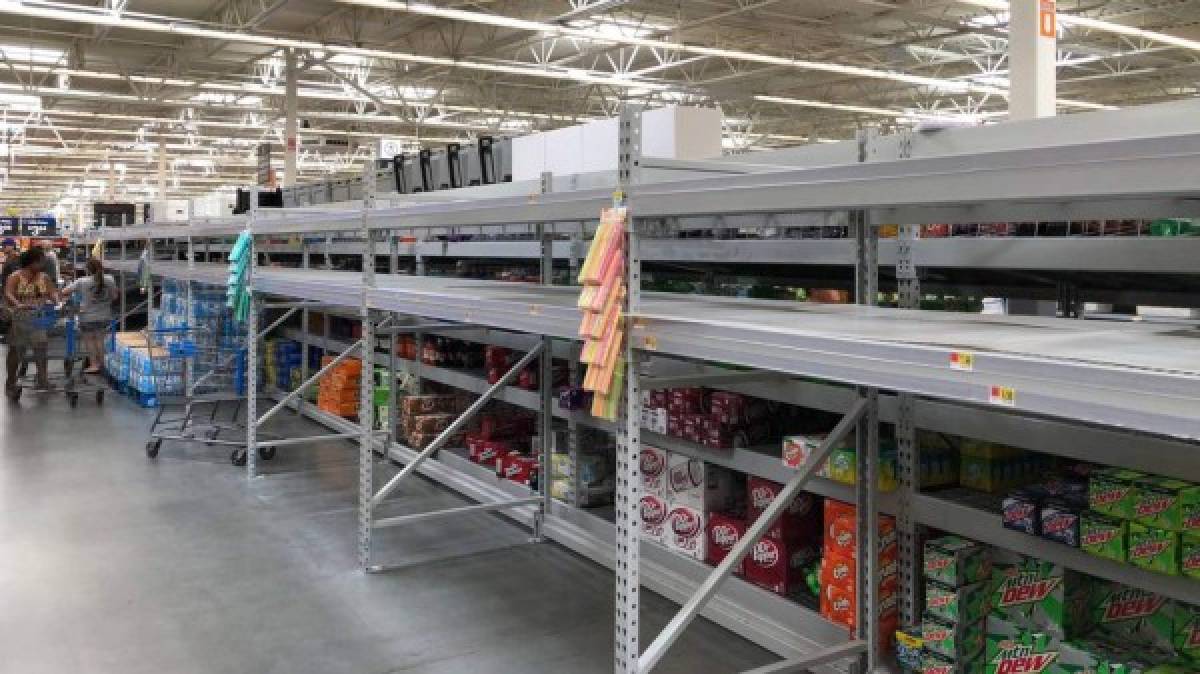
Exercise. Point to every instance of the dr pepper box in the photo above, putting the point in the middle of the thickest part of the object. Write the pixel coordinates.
(800, 521)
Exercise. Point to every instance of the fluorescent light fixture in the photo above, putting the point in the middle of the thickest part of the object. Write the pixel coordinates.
(1100, 25)
(20, 102)
(21, 54)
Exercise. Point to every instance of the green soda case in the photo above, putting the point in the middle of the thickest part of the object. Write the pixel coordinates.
(956, 561)
(1010, 649)
(958, 641)
(932, 663)
(1134, 617)
(968, 603)
(1113, 491)
(1189, 558)
(1154, 549)
(1168, 504)
(1186, 640)
(1040, 596)
(1104, 536)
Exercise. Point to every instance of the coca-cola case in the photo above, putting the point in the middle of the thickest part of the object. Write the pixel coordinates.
(653, 467)
(519, 469)
(653, 510)
(696, 484)
(724, 531)
(685, 532)
(778, 566)
(799, 522)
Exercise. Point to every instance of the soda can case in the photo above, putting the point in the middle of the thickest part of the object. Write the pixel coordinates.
(724, 532)
(685, 532)
(694, 484)
(653, 467)
(653, 512)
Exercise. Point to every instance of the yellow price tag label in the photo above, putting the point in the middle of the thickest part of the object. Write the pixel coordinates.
(535, 310)
(962, 360)
(1002, 395)
(650, 343)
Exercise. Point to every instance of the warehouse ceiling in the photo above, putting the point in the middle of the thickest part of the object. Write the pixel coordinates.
(90, 89)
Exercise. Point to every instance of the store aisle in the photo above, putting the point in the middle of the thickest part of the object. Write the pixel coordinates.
(113, 563)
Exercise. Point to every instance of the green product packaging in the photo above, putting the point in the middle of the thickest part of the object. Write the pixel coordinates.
(1112, 491)
(1010, 649)
(1189, 558)
(1168, 504)
(958, 641)
(1154, 549)
(1186, 640)
(1038, 595)
(1134, 617)
(955, 561)
(1104, 536)
(932, 663)
(968, 603)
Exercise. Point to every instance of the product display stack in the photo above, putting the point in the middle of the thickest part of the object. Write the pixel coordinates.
(838, 571)
(584, 477)
(339, 388)
(957, 576)
(602, 276)
(422, 418)
(778, 561)
(694, 491)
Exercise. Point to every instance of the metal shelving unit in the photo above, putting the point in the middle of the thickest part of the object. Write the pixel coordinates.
(1078, 389)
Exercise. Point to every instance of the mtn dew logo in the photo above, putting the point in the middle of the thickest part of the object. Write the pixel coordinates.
(1015, 658)
(1110, 496)
(1026, 588)
(1100, 536)
(1153, 506)
(1151, 548)
(1129, 604)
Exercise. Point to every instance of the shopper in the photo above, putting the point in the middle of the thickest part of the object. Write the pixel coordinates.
(27, 290)
(52, 267)
(94, 295)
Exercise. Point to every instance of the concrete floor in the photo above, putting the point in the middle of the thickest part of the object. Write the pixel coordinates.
(112, 562)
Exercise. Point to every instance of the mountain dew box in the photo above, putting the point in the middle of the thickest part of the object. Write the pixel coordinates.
(1168, 504)
(960, 642)
(1154, 549)
(1189, 558)
(1186, 640)
(1038, 595)
(968, 603)
(1104, 536)
(1113, 491)
(1133, 616)
(956, 561)
(1010, 650)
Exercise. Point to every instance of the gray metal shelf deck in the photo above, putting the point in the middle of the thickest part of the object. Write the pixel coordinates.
(1133, 375)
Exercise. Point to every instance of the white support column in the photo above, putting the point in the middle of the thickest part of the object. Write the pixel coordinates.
(1032, 51)
(629, 423)
(291, 144)
(546, 382)
(160, 209)
(366, 405)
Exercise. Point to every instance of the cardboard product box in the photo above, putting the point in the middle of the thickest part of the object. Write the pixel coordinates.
(1113, 491)
(956, 561)
(653, 510)
(1034, 594)
(968, 603)
(1186, 639)
(698, 485)
(1189, 562)
(777, 565)
(1060, 521)
(961, 641)
(518, 468)
(801, 521)
(838, 602)
(653, 467)
(685, 531)
(724, 532)
(1133, 616)
(1104, 536)
(932, 663)
(840, 532)
(1168, 504)
(1155, 549)
(1022, 511)
(1008, 649)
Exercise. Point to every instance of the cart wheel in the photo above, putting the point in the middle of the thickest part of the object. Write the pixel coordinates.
(266, 453)
(73, 399)
(152, 447)
(100, 397)
(238, 457)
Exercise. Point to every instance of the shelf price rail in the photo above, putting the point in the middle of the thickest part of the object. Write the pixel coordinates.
(1130, 378)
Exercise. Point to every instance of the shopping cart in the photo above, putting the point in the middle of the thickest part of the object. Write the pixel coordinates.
(61, 325)
(196, 380)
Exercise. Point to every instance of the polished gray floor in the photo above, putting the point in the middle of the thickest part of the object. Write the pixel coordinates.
(111, 562)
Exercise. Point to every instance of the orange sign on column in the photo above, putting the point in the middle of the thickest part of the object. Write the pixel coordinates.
(1047, 22)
